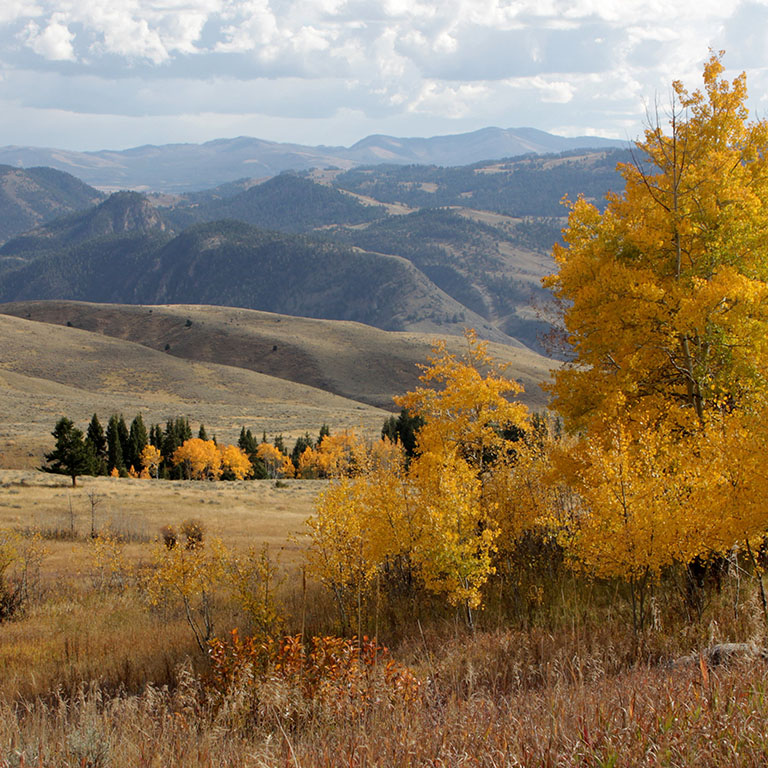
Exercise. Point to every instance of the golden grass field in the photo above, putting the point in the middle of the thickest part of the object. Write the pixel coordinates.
(240, 513)
(79, 631)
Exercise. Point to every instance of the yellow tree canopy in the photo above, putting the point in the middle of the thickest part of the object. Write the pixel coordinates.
(200, 458)
(665, 294)
(464, 403)
(236, 461)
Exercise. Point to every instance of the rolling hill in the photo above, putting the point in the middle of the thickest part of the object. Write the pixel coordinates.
(348, 359)
(221, 366)
(48, 371)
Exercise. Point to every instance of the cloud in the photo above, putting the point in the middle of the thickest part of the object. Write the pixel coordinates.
(467, 63)
(54, 42)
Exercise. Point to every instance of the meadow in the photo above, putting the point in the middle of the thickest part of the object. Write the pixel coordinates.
(95, 675)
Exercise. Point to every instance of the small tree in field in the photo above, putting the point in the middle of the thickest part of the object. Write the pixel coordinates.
(430, 520)
(71, 456)
(150, 459)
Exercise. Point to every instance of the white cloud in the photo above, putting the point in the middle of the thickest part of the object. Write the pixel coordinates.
(54, 42)
(583, 64)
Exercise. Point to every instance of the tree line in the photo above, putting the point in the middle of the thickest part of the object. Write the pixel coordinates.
(173, 452)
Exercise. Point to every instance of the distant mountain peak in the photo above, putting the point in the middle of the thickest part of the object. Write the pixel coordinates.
(125, 212)
(187, 167)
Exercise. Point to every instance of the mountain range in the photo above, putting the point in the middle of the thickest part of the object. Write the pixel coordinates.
(402, 248)
(186, 167)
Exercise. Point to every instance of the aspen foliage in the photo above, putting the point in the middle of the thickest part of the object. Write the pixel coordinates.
(189, 573)
(344, 454)
(664, 294)
(276, 462)
(429, 522)
(200, 459)
(204, 460)
(665, 303)
(235, 462)
(150, 459)
(465, 405)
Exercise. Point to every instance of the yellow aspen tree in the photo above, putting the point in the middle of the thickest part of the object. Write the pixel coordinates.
(272, 457)
(235, 462)
(339, 551)
(309, 467)
(465, 403)
(150, 459)
(664, 293)
(665, 304)
(188, 574)
(455, 552)
(200, 459)
(286, 468)
(338, 455)
(635, 486)
(429, 521)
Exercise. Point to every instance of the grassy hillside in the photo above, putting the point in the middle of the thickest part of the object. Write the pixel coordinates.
(51, 371)
(348, 359)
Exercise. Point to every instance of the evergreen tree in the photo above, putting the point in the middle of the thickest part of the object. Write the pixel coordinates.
(114, 446)
(97, 443)
(123, 436)
(71, 456)
(137, 441)
(324, 432)
(183, 430)
(403, 429)
(247, 442)
(202, 434)
(301, 445)
(156, 436)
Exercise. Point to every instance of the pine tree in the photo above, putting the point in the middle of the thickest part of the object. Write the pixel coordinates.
(156, 436)
(97, 443)
(123, 436)
(114, 446)
(71, 456)
(301, 445)
(137, 441)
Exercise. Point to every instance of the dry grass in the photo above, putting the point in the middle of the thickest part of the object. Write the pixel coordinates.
(79, 631)
(240, 513)
(97, 677)
(645, 715)
(352, 360)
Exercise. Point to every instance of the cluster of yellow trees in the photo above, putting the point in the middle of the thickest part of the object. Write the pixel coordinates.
(664, 301)
(205, 460)
(200, 459)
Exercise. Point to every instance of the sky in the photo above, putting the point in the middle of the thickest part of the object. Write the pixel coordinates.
(113, 74)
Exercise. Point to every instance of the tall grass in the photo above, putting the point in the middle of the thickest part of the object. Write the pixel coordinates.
(556, 677)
